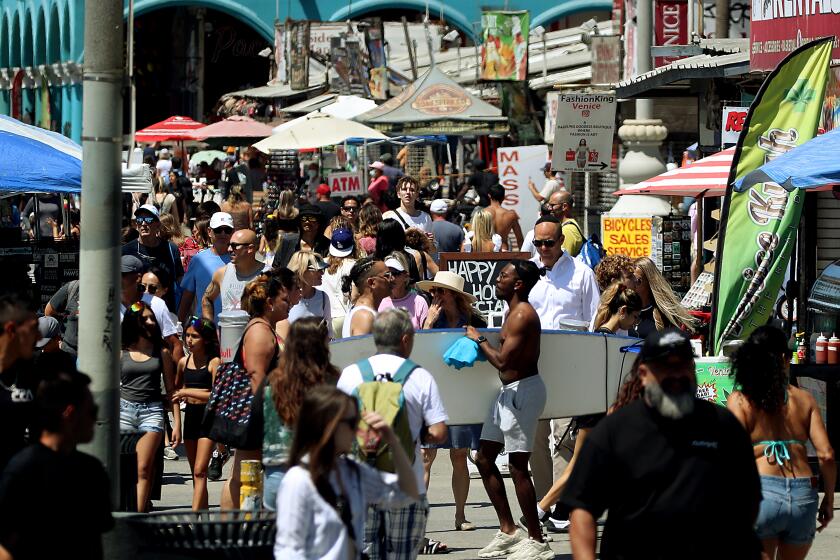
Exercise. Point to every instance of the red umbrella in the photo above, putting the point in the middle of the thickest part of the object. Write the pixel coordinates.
(704, 177)
(232, 130)
(172, 129)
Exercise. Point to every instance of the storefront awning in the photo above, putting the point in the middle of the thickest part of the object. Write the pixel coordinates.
(273, 92)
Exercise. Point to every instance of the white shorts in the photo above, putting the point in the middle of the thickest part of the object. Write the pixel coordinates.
(513, 417)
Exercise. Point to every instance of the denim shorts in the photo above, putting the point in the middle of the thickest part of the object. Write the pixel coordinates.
(141, 417)
(788, 510)
(273, 476)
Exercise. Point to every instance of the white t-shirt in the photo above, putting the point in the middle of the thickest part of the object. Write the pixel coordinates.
(164, 166)
(567, 291)
(551, 186)
(421, 396)
(331, 285)
(162, 315)
(421, 221)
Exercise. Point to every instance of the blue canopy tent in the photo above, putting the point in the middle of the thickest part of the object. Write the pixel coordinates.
(812, 165)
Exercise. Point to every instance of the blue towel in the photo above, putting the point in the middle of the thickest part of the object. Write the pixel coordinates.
(464, 352)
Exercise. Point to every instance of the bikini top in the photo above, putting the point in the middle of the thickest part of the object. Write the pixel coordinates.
(778, 449)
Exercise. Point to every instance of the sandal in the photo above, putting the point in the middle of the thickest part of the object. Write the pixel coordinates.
(433, 547)
(464, 526)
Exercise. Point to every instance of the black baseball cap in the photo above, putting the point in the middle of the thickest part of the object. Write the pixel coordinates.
(666, 344)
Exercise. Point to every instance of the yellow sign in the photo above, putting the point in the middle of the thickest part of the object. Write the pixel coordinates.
(626, 235)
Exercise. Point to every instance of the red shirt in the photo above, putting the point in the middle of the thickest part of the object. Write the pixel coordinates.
(376, 188)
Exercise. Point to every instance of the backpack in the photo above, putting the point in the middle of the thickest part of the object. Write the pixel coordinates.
(592, 251)
(384, 394)
(228, 416)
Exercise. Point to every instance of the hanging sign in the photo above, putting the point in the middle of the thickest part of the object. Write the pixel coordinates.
(504, 45)
(583, 138)
(345, 182)
(733, 123)
(625, 235)
(298, 54)
(518, 165)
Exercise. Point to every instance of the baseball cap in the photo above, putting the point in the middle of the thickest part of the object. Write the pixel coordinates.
(320, 264)
(395, 264)
(49, 329)
(130, 263)
(164, 151)
(341, 243)
(220, 219)
(377, 165)
(438, 206)
(150, 208)
(665, 344)
(323, 189)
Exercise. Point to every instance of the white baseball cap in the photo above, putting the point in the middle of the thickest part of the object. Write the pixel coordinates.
(438, 206)
(150, 208)
(221, 219)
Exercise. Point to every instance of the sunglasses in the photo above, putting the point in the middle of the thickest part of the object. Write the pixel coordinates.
(349, 208)
(236, 246)
(544, 242)
(308, 219)
(137, 307)
(151, 288)
(223, 230)
(198, 322)
(140, 220)
(386, 275)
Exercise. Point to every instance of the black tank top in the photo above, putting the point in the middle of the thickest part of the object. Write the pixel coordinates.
(198, 378)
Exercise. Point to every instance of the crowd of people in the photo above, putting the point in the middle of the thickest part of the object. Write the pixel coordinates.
(659, 460)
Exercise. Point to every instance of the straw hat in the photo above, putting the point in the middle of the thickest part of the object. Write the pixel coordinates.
(447, 280)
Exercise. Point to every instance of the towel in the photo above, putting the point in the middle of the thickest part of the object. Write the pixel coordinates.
(464, 352)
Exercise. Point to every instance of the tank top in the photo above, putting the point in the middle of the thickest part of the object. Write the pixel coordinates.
(140, 381)
(199, 378)
(345, 329)
(232, 286)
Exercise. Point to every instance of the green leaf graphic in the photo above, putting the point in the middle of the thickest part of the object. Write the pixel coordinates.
(801, 95)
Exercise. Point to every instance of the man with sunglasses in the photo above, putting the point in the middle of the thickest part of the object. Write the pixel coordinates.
(152, 250)
(560, 203)
(203, 265)
(566, 291)
(229, 280)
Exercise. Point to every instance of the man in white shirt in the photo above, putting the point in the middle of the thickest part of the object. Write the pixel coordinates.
(407, 214)
(551, 185)
(568, 291)
(402, 529)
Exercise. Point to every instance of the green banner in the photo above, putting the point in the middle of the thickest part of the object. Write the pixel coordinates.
(504, 45)
(714, 383)
(758, 226)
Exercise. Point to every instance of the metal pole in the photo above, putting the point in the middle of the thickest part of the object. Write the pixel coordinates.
(644, 38)
(721, 19)
(544, 57)
(132, 100)
(410, 49)
(199, 64)
(587, 184)
(99, 320)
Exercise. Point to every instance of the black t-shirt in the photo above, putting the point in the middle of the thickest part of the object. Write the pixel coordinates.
(647, 324)
(329, 208)
(669, 485)
(166, 256)
(481, 182)
(17, 410)
(54, 505)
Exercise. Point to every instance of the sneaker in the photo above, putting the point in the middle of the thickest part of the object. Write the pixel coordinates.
(502, 544)
(544, 523)
(530, 549)
(169, 453)
(558, 525)
(214, 469)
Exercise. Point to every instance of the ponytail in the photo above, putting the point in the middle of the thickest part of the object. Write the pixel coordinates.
(613, 299)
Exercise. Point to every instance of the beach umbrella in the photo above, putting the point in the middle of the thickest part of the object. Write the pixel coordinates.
(811, 165)
(316, 130)
(348, 106)
(173, 129)
(232, 131)
(207, 156)
(37, 160)
(705, 177)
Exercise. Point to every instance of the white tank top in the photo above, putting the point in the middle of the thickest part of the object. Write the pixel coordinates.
(345, 329)
(232, 286)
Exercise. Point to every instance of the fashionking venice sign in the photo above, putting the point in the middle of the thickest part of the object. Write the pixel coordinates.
(779, 26)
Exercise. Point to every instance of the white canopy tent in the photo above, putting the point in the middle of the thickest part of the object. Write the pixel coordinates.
(316, 130)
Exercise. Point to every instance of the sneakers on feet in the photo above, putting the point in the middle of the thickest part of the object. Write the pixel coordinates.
(169, 453)
(558, 525)
(214, 469)
(544, 523)
(502, 544)
(530, 549)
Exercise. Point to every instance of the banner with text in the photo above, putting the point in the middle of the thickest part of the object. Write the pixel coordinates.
(517, 166)
(671, 27)
(733, 124)
(627, 235)
(583, 139)
(345, 183)
(298, 32)
(714, 382)
(778, 28)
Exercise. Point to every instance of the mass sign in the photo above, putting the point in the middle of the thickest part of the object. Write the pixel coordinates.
(584, 136)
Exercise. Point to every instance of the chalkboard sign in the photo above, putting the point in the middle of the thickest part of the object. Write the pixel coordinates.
(479, 271)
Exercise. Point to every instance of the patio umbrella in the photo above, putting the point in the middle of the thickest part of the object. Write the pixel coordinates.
(315, 130)
(810, 165)
(207, 156)
(705, 177)
(232, 131)
(172, 129)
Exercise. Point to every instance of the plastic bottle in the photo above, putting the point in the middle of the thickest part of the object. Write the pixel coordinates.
(833, 353)
(800, 347)
(822, 343)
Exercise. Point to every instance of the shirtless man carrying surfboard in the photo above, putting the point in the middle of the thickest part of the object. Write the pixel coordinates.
(512, 422)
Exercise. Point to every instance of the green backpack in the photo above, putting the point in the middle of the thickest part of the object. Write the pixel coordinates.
(383, 393)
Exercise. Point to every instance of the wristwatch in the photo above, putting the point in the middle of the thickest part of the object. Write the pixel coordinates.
(481, 339)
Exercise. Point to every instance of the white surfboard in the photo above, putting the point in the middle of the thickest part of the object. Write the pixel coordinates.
(582, 371)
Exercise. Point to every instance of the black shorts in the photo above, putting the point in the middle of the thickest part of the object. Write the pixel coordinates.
(193, 420)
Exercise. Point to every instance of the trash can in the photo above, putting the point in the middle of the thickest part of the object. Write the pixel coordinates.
(206, 534)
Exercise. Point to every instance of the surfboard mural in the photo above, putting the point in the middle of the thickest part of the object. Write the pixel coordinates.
(582, 371)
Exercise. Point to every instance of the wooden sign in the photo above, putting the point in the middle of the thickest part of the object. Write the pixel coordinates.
(479, 271)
